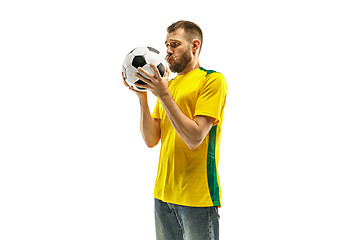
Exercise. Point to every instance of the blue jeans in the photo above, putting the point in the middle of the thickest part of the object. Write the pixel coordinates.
(175, 222)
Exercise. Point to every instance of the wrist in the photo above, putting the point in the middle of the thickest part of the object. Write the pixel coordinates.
(142, 97)
(165, 96)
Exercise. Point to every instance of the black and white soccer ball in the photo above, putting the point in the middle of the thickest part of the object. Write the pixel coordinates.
(142, 57)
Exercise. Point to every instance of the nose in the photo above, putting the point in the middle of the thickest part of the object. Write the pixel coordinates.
(169, 51)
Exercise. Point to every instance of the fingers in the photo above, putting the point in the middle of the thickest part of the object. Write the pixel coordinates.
(140, 86)
(142, 78)
(167, 73)
(156, 71)
(136, 85)
(150, 80)
(125, 83)
(148, 75)
(144, 74)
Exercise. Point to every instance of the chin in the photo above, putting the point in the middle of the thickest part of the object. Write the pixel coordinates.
(172, 69)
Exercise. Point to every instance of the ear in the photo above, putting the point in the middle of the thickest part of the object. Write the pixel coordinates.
(195, 45)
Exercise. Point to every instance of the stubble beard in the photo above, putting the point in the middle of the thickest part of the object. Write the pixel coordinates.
(179, 65)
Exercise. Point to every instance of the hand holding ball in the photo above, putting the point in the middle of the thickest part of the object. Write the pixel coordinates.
(142, 57)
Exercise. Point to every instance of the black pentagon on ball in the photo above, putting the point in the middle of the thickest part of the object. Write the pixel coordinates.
(153, 50)
(140, 82)
(139, 61)
(161, 69)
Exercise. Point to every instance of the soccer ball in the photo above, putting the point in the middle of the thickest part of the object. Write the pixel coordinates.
(142, 57)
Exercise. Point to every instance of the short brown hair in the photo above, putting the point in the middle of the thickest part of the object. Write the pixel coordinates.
(193, 30)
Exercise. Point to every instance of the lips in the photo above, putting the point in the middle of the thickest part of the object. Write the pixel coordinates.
(168, 58)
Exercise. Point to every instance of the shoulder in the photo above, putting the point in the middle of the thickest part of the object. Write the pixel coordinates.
(213, 77)
(207, 72)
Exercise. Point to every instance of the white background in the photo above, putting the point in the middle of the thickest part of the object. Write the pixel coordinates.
(72, 161)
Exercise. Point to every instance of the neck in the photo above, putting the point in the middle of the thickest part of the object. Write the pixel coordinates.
(191, 66)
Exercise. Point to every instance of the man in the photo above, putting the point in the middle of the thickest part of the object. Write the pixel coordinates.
(188, 120)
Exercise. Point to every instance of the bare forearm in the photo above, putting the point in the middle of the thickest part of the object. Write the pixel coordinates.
(149, 128)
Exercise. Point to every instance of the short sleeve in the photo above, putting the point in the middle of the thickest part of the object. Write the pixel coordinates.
(156, 112)
(212, 97)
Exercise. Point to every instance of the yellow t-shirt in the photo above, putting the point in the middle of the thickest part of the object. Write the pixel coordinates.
(189, 177)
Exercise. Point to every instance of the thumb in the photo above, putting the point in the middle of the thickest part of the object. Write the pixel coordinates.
(167, 73)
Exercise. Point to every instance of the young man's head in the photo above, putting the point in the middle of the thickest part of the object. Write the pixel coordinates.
(183, 42)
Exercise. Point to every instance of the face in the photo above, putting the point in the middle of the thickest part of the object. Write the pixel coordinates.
(179, 53)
